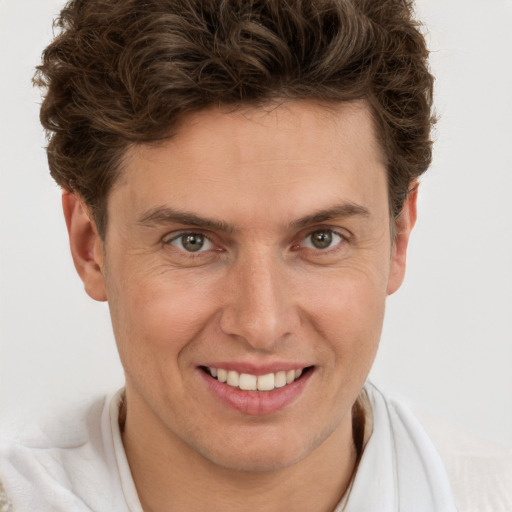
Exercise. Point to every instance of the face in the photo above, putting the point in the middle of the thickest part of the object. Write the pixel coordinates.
(253, 247)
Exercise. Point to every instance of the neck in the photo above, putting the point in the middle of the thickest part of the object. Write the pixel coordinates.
(170, 476)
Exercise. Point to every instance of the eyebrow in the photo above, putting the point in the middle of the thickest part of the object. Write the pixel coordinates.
(163, 215)
(343, 210)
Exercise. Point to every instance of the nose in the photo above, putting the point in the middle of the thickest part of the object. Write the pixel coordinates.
(258, 306)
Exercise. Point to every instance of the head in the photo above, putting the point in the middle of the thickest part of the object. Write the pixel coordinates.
(232, 172)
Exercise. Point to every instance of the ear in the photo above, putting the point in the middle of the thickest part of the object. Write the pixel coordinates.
(86, 246)
(404, 225)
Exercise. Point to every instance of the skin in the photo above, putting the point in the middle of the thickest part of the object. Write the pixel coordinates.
(257, 292)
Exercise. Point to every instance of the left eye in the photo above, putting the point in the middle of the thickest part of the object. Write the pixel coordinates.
(191, 242)
(322, 239)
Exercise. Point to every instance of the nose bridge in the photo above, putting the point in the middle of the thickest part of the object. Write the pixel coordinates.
(259, 307)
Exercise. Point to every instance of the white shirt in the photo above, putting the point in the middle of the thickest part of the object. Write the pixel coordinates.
(78, 464)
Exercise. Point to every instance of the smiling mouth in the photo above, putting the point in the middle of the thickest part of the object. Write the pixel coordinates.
(250, 382)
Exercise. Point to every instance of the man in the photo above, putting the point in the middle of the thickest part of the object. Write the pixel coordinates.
(240, 184)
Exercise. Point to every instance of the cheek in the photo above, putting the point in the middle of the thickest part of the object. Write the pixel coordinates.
(348, 311)
(159, 313)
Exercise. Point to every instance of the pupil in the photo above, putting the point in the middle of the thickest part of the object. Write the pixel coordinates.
(321, 239)
(193, 243)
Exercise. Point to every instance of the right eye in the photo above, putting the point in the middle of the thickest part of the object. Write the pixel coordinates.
(191, 242)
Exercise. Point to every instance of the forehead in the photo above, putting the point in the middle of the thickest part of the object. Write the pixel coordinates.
(278, 129)
(273, 158)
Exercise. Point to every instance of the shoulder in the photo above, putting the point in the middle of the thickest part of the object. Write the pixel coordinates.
(61, 463)
(480, 471)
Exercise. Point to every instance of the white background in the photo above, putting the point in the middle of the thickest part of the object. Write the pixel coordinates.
(447, 342)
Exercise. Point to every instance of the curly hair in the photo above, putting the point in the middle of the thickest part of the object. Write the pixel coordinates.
(123, 72)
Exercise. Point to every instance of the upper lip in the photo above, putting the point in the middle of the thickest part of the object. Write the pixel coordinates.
(256, 369)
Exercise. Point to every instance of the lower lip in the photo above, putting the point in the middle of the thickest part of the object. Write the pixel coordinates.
(257, 403)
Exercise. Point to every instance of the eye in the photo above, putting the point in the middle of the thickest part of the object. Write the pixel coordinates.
(322, 239)
(191, 242)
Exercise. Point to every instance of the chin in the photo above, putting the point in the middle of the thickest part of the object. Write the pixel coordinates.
(260, 452)
(266, 462)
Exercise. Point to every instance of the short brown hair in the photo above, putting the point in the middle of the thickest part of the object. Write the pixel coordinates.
(123, 72)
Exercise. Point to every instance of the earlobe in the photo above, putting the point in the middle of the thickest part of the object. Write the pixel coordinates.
(86, 246)
(404, 226)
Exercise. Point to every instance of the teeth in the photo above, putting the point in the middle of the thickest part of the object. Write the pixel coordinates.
(248, 382)
(233, 379)
(266, 382)
(280, 379)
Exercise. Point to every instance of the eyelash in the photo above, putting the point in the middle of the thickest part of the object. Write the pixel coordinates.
(327, 250)
(182, 235)
(167, 241)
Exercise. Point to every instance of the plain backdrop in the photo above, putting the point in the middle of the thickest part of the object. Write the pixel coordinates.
(447, 340)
